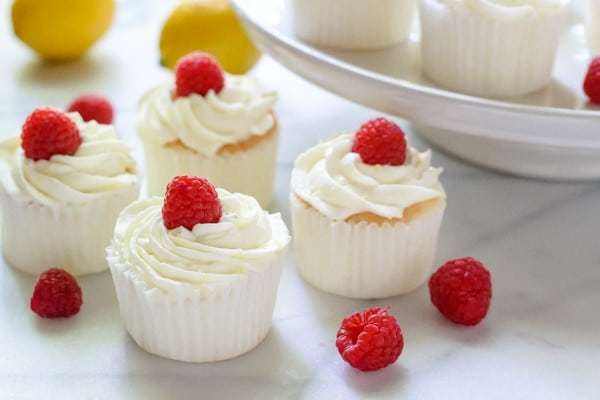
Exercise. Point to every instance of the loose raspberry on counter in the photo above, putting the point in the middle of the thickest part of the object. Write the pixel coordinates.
(370, 340)
(380, 141)
(198, 73)
(93, 107)
(56, 295)
(190, 200)
(48, 131)
(591, 84)
(461, 290)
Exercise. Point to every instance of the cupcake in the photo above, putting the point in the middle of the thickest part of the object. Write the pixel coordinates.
(366, 212)
(210, 124)
(352, 24)
(196, 275)
(491, 48)
(592, 23)
(63, 184)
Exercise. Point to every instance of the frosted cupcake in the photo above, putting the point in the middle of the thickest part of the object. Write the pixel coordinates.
(218, 126)
(63, 184)
(197, 275)
(352, 24)
(366, 211)
(491, 48)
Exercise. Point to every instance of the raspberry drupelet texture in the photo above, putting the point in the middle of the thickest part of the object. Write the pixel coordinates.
(92, 107)
(56, 295)
(190, 200)
(380, 141)
(370, 340)
(461, 290)
(198, 73)
(47, 132)
(591, 84)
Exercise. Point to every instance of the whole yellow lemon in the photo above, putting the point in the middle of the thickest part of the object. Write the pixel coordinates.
(61, 29)
(210, 26)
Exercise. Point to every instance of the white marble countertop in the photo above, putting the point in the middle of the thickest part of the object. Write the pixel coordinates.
(541, 241)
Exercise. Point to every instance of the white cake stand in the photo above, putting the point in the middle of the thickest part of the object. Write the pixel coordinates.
(551, 134)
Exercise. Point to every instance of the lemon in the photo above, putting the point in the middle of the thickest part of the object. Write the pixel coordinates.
(210, 26)
(61, 29)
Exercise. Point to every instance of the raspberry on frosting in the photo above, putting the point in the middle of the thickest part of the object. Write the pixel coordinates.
(370, 340)
(190, 200)
(92, 107)
(47, 132)
(380, 141)
(56, 295)
(198, 73)
(461, 290)
(591, 84)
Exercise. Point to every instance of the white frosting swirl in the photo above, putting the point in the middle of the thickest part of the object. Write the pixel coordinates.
(507, 9)
(207, 123)
(103, 164)
(335, 181)
(205, 258)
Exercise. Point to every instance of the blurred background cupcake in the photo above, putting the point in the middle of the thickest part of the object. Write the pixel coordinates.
(352, 24)
(592, 23)
(491, 48)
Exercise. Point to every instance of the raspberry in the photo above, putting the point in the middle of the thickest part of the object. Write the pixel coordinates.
(56, 295)
(462, 290)
(380, 141)
(47, 132)
(93, 107)
(591, 84)
(198, 73)
(370, 340)
(190, 200)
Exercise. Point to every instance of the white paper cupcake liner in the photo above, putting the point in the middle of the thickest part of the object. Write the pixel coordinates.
(364, 260)
(352, 24)
(249, 171)
(592, 23)
(483, 55)
(37, 237)
(196, 328)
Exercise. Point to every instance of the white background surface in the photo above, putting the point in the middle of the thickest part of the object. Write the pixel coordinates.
(541, 339)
